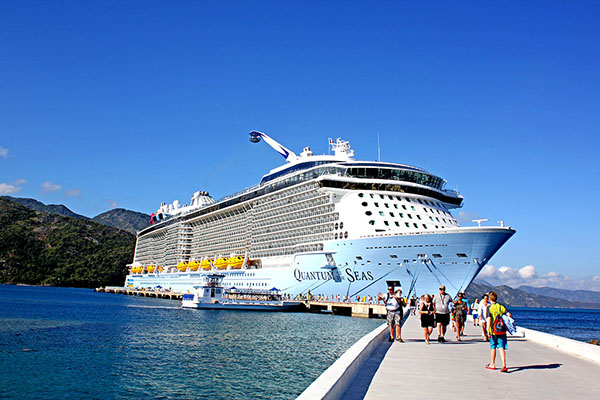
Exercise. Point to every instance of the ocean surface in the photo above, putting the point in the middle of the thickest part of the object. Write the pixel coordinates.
(75, 343)
(582, 325)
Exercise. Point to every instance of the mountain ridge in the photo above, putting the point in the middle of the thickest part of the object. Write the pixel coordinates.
(519, 298)
(127, 220)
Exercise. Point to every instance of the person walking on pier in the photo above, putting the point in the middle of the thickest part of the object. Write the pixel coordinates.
(394, 304)
(483, 314)
(497, 330)
(427, 311)
(442, 313)
(413, 305)
(460, 314)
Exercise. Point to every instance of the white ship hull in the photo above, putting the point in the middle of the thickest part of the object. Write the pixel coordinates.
(419, 263)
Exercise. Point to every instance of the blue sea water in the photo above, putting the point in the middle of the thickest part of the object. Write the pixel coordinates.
(75, 343)
(583, 325)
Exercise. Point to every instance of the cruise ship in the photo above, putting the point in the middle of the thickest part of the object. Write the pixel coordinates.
(321, 224)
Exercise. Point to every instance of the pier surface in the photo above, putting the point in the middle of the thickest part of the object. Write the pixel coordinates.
(415, 370)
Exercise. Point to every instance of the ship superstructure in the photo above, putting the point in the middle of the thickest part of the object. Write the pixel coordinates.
(325, 223)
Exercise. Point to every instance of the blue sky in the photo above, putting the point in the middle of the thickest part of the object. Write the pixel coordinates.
(128, 104)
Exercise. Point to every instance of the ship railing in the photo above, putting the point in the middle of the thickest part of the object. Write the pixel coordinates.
(260, 185)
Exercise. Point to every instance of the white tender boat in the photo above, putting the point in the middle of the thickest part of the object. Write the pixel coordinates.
(212, 295)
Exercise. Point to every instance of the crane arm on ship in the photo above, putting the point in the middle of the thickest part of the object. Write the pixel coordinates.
(289, 155)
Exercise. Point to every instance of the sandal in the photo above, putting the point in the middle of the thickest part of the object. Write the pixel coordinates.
(487, 366)
(504, 369)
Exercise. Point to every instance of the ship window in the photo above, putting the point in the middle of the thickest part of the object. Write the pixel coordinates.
(393, 256)
(336, 225)
(381, 213)
(407, 224)
(397, 223)
(401, 215)
(376, 204)
(416, 226)
(424, 226)
(396, 206)
(341, 225)
(403, 206)
(364, 203)
(409, 216)
(436, 255)
(346, 235)
(386, 223)
(461, 255)
(418, 216)
(371, 222)
(361, 195)
(372, 195)
(359, 257)
(391, 214)
(382, 196)
(413, 208)
(368, 212)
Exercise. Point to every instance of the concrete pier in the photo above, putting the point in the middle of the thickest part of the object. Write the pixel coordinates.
(142, 293)
(364, 310)
(545, 369)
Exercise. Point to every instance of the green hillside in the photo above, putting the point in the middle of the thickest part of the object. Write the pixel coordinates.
(130, 221)
(47, 249)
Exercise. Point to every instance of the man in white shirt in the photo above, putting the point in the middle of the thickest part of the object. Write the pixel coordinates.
(442, 313)
(394, 304)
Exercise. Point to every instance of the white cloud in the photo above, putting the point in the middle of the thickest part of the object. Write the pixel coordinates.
(466, 217)
(12, 187)
(73, 192)
(529, 276)
(3, 152)
(50, 187)
(6, 188)
(112, 203)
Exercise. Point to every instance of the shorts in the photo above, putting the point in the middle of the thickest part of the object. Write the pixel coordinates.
(443, 319)
(394, 318)
(475, 316)
(427, 321)
(498, 342)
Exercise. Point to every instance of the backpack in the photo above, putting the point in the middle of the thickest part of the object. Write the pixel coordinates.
(499, 327)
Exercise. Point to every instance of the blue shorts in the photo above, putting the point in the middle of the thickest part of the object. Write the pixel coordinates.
(498, 342)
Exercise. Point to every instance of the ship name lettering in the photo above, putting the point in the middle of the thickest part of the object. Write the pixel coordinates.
(312, 275)
(358, 276)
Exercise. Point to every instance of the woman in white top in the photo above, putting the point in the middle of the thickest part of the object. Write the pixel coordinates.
(484, 305)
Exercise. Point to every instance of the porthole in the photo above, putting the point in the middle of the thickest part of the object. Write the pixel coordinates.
(341, 225)
(337, 225)
(361, 195)
(368, 212)
(371, 222)
(364, 203)
(346, 235)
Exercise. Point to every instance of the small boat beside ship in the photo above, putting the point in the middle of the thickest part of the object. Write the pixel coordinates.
(212, 295)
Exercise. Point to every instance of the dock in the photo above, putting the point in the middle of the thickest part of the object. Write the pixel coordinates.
(539, 365)
(142, 293)
(356, 309)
